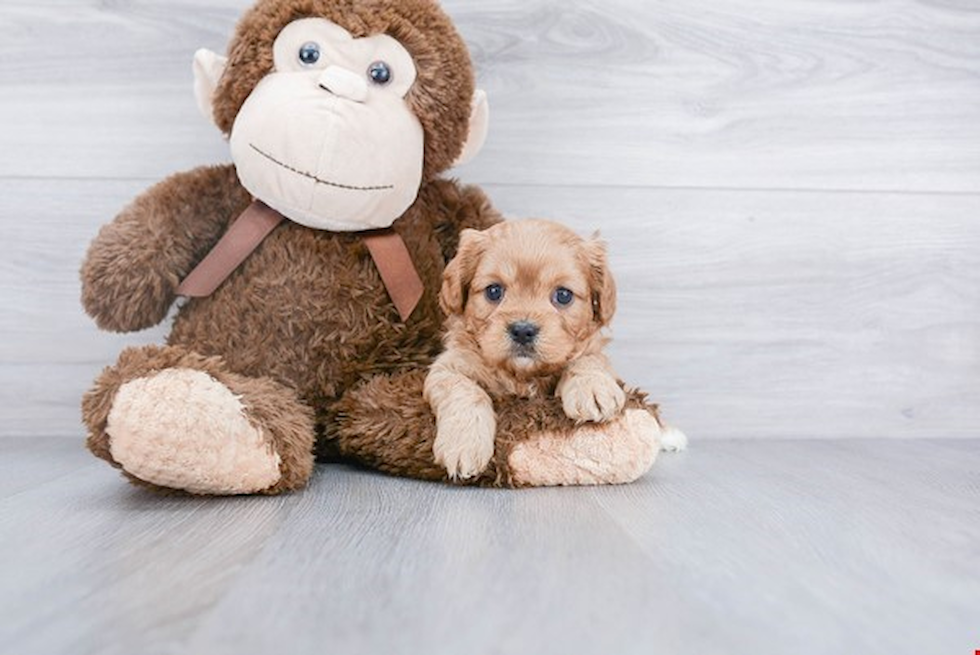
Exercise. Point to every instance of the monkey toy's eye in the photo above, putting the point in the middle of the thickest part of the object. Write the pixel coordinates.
(562, 297)
(309, 53)
(380, 73)
(494, 293)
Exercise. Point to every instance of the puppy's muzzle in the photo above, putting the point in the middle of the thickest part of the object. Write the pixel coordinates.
(523, 333)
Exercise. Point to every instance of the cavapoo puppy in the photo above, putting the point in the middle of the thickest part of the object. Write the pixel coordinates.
(526, 303)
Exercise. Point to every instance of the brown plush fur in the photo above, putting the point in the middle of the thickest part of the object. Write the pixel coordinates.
(387, 425)
(133, 267)
(308, 308)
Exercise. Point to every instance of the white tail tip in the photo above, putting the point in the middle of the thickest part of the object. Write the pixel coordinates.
(673, 440)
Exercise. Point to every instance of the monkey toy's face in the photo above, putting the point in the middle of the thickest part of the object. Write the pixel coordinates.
(327, 138)
(330, 134)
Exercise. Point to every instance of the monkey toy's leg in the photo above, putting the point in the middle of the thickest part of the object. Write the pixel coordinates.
(386, 424)
(174, 420)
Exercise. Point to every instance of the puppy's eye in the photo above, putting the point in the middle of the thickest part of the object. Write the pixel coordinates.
(562, 297)
(494, 293)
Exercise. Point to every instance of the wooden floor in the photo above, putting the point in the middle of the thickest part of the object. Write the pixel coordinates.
(742, 546)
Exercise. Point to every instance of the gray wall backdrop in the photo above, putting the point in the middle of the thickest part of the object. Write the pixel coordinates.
(790, 190)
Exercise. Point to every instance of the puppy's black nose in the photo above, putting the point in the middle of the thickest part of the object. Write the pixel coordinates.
(523, 332)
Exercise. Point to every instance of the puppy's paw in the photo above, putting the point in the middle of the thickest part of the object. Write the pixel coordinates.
(464, 442)
(596, 398)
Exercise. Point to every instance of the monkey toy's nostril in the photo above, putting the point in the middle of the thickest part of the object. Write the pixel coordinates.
(523, 332)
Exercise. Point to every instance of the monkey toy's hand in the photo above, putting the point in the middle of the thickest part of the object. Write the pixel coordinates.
(134, 265)
(124, 287)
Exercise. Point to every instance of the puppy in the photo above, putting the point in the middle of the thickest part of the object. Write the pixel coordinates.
(526, 302)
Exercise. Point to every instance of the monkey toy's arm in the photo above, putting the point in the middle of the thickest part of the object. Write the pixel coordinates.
(133, 267)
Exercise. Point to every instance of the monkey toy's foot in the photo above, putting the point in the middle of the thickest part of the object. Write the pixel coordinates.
(182, 429)
(615, 452)
(174, 420)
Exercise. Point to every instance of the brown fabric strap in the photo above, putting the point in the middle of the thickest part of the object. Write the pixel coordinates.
(397, 271)
(387, 248)
(240, 241)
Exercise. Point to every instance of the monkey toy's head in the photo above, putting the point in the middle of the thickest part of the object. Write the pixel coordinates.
(338, 110)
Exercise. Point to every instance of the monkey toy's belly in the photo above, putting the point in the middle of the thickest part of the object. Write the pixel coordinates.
(308, 309)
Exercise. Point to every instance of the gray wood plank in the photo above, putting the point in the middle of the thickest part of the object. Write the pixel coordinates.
(816, 547)
(747, 314)
(408, 567)
(740, 93)
(52, 458)
(92, 565)
(809, 547)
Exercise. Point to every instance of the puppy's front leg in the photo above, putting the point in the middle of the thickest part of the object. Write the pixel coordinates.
(589, 391)
(465, 421)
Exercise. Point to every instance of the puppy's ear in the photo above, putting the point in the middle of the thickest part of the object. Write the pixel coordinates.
(458, 276)
(602, 286)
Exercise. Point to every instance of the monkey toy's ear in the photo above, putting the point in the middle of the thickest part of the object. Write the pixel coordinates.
(479, 124)
(208, 67)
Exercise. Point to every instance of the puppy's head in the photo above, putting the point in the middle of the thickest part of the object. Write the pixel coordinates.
(529, 295)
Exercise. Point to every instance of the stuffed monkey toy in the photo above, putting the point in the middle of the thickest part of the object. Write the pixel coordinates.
(311, 267)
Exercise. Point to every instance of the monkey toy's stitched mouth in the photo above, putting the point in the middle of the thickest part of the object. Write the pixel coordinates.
(317, 179)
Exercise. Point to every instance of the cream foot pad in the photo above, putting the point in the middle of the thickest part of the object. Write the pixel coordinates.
(182, 429)
(609, 453)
